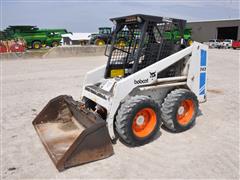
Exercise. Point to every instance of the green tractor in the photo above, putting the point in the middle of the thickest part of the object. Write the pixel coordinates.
(54, 36)
(104, 36)
(101, 38)
(174, 34)
(188, 35)
(36, 38)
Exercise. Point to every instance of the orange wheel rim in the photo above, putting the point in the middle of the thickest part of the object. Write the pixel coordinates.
(144, 122)
(185, 112)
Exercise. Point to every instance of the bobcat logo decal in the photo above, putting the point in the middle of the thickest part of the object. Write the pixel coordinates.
(152, 74)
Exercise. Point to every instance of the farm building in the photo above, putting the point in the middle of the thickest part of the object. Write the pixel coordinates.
(76, 38)
(215, 29)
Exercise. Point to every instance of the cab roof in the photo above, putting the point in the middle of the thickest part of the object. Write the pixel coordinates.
(145, 17)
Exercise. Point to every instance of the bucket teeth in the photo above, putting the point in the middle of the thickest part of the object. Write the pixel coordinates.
(71, 134)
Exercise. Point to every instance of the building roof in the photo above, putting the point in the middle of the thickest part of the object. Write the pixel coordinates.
(77, 36)
(214, 20)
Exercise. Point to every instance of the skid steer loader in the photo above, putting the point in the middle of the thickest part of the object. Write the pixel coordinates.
(152, 81)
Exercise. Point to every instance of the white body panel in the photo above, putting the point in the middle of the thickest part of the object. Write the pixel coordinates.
(120, 89)
(94, 75)
(196, 78)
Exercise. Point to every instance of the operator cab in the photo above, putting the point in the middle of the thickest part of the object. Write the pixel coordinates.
(139, 41)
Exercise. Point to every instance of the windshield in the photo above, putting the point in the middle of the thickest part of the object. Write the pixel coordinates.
(124, 47)
(104, 30)
(134, 48)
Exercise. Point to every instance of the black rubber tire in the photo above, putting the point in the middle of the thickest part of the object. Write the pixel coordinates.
(169, 109)
(125, 117)
(36, 43)
(55, 44)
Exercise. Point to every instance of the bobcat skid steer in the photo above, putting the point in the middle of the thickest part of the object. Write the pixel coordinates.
(148, 81)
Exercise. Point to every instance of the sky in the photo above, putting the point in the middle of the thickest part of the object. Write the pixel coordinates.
(88, 15)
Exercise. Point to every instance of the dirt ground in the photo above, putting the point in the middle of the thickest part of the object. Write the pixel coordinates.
(209, 150)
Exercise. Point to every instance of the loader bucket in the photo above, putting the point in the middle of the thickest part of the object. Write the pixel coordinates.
(71, 134)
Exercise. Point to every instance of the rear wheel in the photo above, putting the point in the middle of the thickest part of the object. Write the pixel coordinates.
(99, 42)
(138, 120)
(179, 110)
(55, 44)
(189, 42)
(121, 42)
(36, 45)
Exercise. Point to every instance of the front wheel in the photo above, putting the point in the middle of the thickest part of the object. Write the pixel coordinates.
(137, 120)
(179, 110)
(36, 45)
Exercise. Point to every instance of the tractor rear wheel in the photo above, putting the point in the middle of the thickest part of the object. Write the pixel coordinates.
(36, 45)
(189, 42)
(121, 42)
(137, 120)
(99, 42)
(55, 44)
(179, 110)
